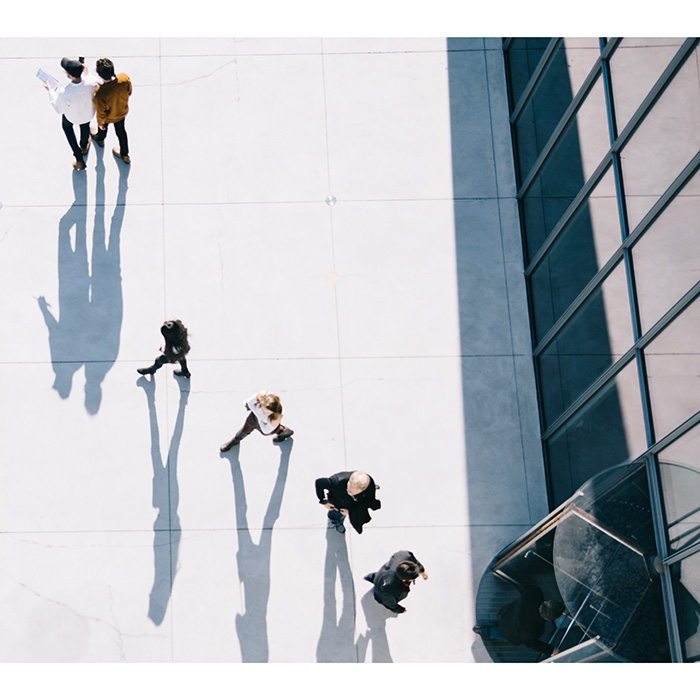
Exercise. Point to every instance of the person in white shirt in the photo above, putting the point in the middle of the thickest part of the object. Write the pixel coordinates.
(74, 102)
(265, 416)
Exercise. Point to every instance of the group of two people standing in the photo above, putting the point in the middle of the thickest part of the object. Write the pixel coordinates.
(105, 95)
(351, 494)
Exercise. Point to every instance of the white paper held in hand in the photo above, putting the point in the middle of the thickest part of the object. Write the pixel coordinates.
(46, 78)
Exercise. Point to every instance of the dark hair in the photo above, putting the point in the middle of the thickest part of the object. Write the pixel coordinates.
(104, 68)
(408, 570)
(551, 609)
(176, 345)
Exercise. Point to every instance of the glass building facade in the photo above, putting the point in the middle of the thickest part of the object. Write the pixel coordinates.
(606, 138)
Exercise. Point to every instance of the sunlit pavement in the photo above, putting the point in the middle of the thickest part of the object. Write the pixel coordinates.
(333, 220)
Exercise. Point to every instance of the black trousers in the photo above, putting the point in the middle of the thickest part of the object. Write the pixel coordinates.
(162, 359)
(121, 135)
(70, 135)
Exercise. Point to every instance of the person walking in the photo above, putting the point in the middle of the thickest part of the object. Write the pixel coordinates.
(112, 106)
(348, 493)
(174, 350)
(392, 582)
(74, 102)
(265, 416)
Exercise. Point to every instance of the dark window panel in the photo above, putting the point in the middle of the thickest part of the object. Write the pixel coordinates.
(608, 430)
(565, 74)
(595, 337)
(522, 57)
(581, 250)
(580, 150)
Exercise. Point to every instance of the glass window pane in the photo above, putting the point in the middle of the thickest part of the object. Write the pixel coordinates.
(686, 576)
(595, 337)
(523, 55)
(578, 153)
(635, 66)
(608, 430)
(673, 368)
(664, 143)
(581, 249)
(667, 257)
(679, 469)
(564, 76)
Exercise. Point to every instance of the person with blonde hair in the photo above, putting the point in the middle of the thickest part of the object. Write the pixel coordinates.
(174, 350)
(348, 493)
(265, 416)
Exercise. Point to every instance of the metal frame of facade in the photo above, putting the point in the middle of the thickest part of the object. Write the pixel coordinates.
(601, 70)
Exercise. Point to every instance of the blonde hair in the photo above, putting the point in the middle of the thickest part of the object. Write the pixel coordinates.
(272, 403)
(359, 480)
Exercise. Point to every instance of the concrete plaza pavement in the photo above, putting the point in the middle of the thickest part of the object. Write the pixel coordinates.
(334, 220)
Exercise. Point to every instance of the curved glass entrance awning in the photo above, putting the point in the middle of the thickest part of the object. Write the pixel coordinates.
(597, 553)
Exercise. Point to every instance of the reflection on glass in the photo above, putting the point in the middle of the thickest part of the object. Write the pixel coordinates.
(565, 73)
(686, 576)
(607, 430)
(679, 470)
(523, 55)
(600, 578)
(635, 66)
(667, 257)
(673, 368)
(578, 153)
(664, 143)
(580, 251)
(595, 337)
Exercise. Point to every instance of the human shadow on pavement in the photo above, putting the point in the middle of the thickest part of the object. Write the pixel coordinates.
(337, 640)
(376, 616)
(166, 497)
(253, 560)
(87, 328)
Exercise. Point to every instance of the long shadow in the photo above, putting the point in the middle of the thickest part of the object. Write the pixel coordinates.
(88, 326)
(254, 559)
(336, 643)
(376, 616)
(166, 497)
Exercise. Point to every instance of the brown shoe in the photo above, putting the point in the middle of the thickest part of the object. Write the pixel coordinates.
(87, 148)
(99, 141)
(228, 445)
(78, 165)
(126, 159)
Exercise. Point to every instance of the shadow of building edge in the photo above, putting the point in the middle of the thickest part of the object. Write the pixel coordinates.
(458, 80)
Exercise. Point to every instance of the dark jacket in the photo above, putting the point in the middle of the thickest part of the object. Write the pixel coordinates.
(334, 489)
(389, 589)
(521, 623)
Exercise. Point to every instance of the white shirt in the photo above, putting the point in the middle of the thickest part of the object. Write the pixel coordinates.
(74, 100)
(257, 409)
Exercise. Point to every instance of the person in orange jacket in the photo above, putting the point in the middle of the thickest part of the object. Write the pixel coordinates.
(112, 105)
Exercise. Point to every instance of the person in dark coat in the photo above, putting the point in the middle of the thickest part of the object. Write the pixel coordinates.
(392, 582)
(175, 349)
(348, 493)
(523, 620)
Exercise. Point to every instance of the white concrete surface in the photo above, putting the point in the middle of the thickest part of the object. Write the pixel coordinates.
(392, 324)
